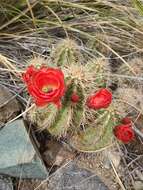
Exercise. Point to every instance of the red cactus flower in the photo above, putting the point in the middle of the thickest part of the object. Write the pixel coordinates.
(29, 73)
(126, 120)
(101, 99)
(124, 133)
(74, 98)
(45, 85)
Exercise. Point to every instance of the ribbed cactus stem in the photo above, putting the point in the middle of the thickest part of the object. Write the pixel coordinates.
(70, 116)
(78, 108)
(96, 71)
(62, 121)
(95, 137)
(43, 117)
(66, 53)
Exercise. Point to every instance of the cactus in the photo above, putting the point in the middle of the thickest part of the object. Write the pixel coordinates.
(42, 117)
(57, 121)
(38, 62)
(78, 108)
(96, 136)
(96, 71)
(64, 117)
(80, 79)
(66, 53)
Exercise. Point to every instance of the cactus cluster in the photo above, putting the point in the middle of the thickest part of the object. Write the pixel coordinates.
(87, 129)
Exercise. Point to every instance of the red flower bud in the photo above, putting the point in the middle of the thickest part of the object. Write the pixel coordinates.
(126, 120)
(74, 98)
(101, 99)
(124, 133)
(45, 85)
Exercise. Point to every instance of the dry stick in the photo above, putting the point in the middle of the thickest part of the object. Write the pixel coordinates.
(138, 131)
(58, 18)
(46, 180)
(105, 45)
(125, 163)
(10, 99)
(101, 42)
(21, 114)
(138, 157)
(7, 63)
(126, 76)
(31, 12)
(70, 4)
(11, 68)
(17, 17)
(117, 176)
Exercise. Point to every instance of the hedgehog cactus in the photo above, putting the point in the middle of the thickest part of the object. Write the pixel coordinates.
(89, 130)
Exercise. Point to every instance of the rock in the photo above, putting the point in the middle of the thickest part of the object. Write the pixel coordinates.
(9, 106)
(139, 174)
(72, 177)
(115, 158)
(19, 157)
(111, 156)
(31, 185)
(57, 154)
(138, 185)
(5, 183)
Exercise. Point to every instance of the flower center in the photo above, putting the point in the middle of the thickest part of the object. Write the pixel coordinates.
(47, 89)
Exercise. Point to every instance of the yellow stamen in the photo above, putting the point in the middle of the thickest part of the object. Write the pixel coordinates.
(46, 89)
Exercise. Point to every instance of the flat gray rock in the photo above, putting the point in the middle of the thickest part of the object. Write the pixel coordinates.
(71, 177)
(19, 157)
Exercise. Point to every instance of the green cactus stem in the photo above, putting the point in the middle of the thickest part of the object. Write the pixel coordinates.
(78, 108)
(66, 53)
(96, 74)
(97, 137)
(43, 117)
(62, 121)
(59, 121)
(70, 116)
